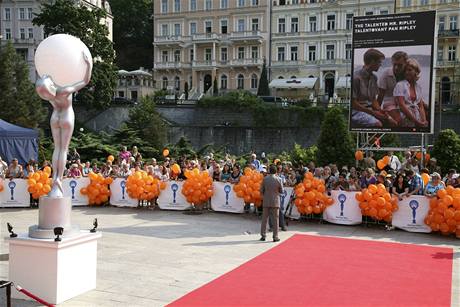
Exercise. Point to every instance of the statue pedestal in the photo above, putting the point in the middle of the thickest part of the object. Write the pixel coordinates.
(53, 212)
(54, 271)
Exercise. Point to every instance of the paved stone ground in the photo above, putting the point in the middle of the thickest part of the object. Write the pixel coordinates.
(150, 258)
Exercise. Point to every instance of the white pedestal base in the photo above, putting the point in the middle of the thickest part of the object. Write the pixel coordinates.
(54, 271)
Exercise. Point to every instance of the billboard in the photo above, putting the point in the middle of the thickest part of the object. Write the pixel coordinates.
(392, 73)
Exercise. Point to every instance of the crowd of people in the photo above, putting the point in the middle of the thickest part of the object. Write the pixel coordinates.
(400, 177)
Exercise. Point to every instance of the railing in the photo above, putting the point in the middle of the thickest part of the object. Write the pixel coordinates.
(238, 62)
(205, 36)
(287, 63)
(203, 64)
(170, 65)
(444, 63)
(449, 33)
(171, 39)
(246, 34)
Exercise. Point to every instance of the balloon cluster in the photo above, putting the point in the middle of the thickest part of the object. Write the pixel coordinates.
(40, 183)
(98, 189)
(377, 203)
(197, 188)
(310, 196)
(382, 163)
(249, 187)
(142, 186)
(444, 214)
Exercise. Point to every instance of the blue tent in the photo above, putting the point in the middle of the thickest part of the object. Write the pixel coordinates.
(18, 142)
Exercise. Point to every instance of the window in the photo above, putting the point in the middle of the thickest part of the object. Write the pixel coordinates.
(7, 33)
(330, 52)
(348, 51)
(254, 81)
(440, 53)
(192, 55)
(7, 13)
(192, 28)
(240, 53)
(22, 13)
(442, 23)
(192, 5)
(294, 50)
(224, 26)
(223, 82)
(208, 5)
(281, 55)
(121, 94)
(255, 24)
(281, 25)
(453, 22)
(208, 26)
(134, 95)
(423, 2)
(452, 51)
(164, 84)
(295, 24)
(241, 3)
(22, 33)
(164, 30)
(383, 12)
(30, 14)
(176, 5)
(369, 13)
(240, 82)
(177, 29)
(254, 2)
(208, 54)
(31, 32)
(254, 52)
(164, 6)
(330, 22)
(312, 53)
(349, 21)
(407, 3)
(240, 25)
(177, 56)
(164, 56)
(312, 21)
(223, 54)
(177, 83)
(223, 4)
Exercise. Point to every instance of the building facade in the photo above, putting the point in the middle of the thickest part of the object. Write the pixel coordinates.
(133, 85)
(313, 39)
(16, 26)
(447, 63)
(199, 41)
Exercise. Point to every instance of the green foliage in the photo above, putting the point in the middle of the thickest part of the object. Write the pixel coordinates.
(129, 137)
(19, 102)
(93, 146)
(447, 150)
(235, 100)
(183, 147)
(263, 89)
(62, 16)
(133, 32)
(299, 155)
(335, 144)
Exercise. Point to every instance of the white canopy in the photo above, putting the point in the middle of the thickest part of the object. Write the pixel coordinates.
(293, 83)
(343, 82)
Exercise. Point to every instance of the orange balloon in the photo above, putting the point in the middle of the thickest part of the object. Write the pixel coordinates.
(359, 155)
(425, 178)
(441, 193)
(110, 158)
(386, 160)
(47, 170)
(372, 188)
(165, 152)
(381, 164)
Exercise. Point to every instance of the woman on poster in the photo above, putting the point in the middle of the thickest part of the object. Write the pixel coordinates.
(408, 96)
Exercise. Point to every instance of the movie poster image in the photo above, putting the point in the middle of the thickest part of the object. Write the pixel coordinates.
(392, 73)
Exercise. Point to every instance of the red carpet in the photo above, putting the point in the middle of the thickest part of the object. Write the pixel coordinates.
(323, 271)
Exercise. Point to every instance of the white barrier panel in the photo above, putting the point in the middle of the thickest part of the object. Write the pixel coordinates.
(72, 187)
(119, 196)
(411, 214)
(15, 194)
(171, 198)
(345, 209)
(225, 199)
(290, 212)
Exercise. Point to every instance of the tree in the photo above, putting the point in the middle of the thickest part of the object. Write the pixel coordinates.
(447, 150)
(62, 16)
(215, 88)
(133, 33)
(263, 89)
(18, 100)
(335, 144)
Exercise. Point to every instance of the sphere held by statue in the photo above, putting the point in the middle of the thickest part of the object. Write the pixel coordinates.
(61, 57)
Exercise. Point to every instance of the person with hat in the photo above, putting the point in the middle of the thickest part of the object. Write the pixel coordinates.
(74, 171)
(434, 185)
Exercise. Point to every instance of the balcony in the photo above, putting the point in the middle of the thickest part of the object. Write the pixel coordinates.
(246, 36)
(286, 34)
(204, 64)
(170, 65)
(246, 62)
(170, 40)
(448, 33)
(25, 41)
(205, 38)
(287, 63)
(447, 64)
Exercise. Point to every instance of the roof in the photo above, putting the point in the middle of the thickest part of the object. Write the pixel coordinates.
(293, 83)
(343, 82)
(138, 72)
(10, 130)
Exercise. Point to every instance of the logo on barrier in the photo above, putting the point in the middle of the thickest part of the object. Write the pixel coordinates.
(413, 204)
(227, 190)
(123, 186)
(282, 198)
(73, 185)
(12, 185)
(174, 188)
(342, 198)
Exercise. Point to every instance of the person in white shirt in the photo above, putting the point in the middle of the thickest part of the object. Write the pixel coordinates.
(394, 162)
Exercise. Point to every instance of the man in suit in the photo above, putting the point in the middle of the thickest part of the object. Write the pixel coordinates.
(271, 189)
